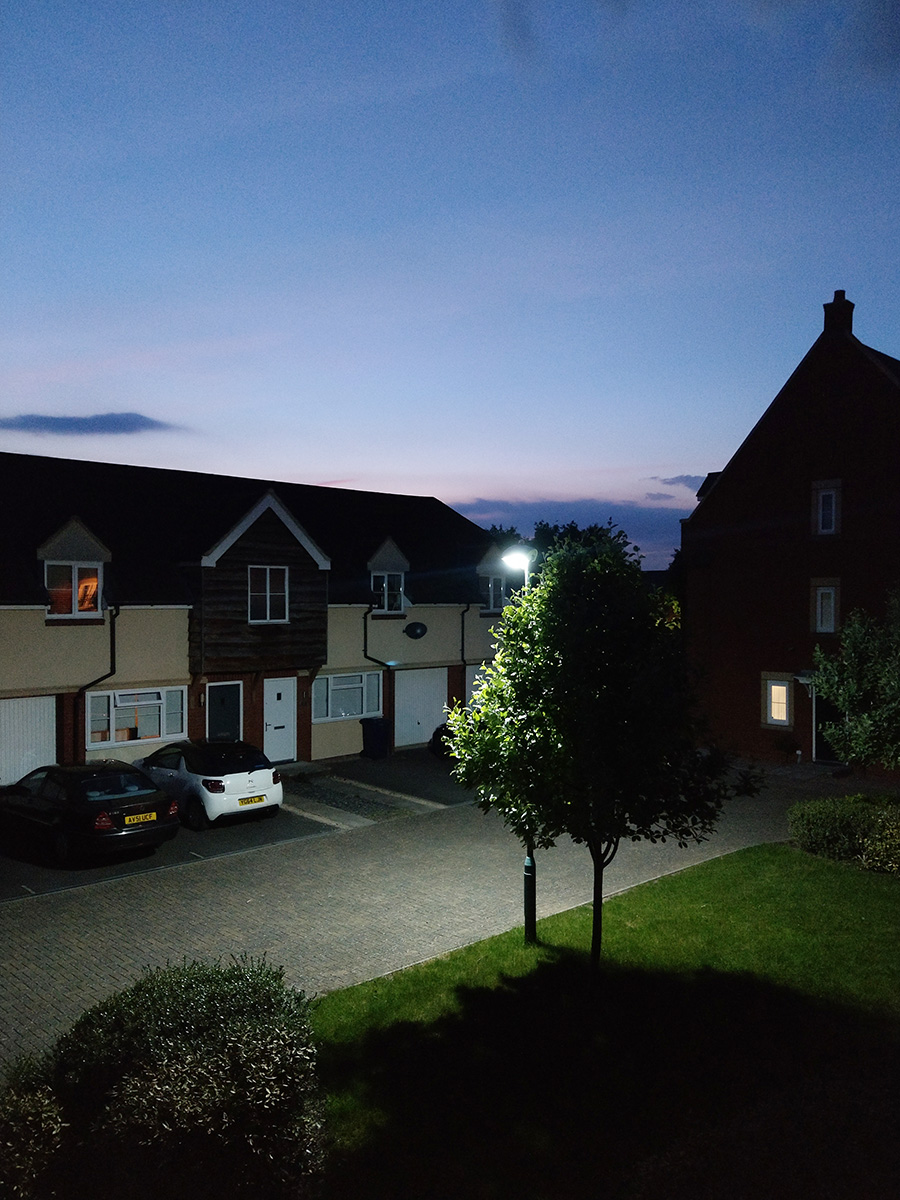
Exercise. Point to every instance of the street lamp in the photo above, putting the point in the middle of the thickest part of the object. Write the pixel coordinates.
(520, 558)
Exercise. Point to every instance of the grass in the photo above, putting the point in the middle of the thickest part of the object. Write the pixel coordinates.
(741, 1041)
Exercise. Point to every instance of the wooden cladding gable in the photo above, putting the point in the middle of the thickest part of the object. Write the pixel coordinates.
(222, 637)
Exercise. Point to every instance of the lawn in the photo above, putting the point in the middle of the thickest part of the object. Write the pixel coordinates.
(740, 1041)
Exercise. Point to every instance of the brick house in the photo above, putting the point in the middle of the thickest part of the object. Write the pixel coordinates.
(800, 528)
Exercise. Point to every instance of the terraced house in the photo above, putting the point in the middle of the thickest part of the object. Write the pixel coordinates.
(139, 605)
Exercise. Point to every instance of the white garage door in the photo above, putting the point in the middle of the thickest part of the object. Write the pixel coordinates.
(419, 701)
(27, 735)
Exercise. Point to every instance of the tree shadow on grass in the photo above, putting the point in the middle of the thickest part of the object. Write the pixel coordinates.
(647, 1086)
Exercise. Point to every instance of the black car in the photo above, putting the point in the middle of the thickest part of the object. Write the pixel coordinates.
(98, 807)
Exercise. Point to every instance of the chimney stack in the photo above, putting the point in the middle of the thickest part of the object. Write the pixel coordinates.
(839, 314)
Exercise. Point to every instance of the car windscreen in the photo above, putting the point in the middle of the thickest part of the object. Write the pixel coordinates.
(227, 759)
(117, 785)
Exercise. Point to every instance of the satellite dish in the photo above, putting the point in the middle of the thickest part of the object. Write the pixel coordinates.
(415, 630)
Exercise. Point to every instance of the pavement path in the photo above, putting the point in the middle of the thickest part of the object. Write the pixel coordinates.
(361, 899)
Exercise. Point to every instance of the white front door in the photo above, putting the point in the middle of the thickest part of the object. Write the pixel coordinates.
(280, 719)
(419, 701)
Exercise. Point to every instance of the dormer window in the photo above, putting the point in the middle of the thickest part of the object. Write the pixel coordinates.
(387, 591)
(492, 588)
(387, 568)
(74, 588)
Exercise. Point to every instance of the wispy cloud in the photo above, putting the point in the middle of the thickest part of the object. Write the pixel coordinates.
(100, 423)
(689, 481)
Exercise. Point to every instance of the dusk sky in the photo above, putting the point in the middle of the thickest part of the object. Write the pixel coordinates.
(547, 258)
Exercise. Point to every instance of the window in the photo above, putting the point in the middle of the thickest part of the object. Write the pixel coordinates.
(268, 595)
(492, 587)
(338, 697)
(826, 609)
(74, 588)
(147, 715)
(777, 702)
(387, 591)
(827, 506)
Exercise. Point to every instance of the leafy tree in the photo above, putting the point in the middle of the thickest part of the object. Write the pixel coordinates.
(863, 682)
(582, 725)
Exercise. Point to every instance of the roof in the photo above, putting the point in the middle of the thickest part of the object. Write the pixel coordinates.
(152, 518)
(840, 374)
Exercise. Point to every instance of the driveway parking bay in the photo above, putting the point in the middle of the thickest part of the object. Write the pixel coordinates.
(315, 805)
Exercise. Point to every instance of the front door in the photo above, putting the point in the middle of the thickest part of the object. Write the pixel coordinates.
(280, 719)
(223, 712)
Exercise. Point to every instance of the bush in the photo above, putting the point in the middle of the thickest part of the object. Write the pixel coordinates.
(863, 829)
(198, 1080)
(881, 849)
(31, 1129)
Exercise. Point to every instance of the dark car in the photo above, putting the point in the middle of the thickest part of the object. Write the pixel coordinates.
(98, 807)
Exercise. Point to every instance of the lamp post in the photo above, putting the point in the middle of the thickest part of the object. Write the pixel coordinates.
(520, 558)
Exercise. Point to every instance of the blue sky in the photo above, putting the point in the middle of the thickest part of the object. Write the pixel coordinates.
(537, 259)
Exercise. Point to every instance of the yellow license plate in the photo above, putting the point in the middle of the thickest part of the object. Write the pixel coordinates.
(140, 818)
(252, 800)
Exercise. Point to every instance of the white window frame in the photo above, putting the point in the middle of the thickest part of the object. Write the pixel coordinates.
(389, 599)
(329, 690)
(827, 507)
(494, 586)
(268, 595)
(74, 612)
(777, 711)
(826, 609)
(163, 709)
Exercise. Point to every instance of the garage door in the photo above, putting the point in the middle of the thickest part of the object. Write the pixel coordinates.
(27, 735)
(419, 701)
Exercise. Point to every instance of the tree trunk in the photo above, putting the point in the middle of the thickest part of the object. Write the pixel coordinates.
(597, 921)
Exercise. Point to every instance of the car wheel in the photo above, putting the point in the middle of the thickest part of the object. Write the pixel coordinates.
(195, 815)
(62, 848)
(272, 810)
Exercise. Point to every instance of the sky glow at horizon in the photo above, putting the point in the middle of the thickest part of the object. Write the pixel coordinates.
(540, 259)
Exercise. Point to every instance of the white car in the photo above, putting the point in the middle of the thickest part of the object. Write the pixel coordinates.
(215, 779)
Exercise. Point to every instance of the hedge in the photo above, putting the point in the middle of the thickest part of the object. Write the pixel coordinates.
(861, 829)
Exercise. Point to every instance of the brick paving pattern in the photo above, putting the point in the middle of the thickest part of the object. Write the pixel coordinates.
(347, 904)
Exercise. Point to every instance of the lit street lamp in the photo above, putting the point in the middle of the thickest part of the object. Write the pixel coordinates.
(520, 558)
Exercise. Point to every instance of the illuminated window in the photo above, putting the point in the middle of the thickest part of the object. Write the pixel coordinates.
(387, 591)
(152, 714)
(74, 589)
(777, 702)
(268, 595)
(339, 697)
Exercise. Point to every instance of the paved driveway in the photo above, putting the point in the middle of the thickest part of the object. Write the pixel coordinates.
(352, 902)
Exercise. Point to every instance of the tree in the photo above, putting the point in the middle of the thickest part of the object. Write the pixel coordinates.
(582, 725)
(863, 682)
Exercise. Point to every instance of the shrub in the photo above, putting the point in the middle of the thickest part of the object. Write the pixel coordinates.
(834, 827)
(31, 1129)
(197, 1080)
(863, 829)
(881, 849)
